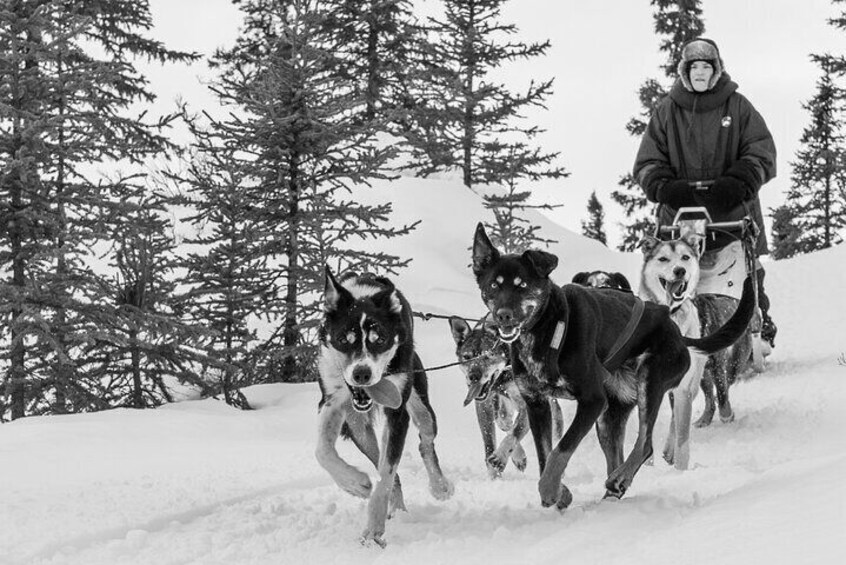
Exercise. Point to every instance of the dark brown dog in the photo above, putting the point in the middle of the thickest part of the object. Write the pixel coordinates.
(565, 342)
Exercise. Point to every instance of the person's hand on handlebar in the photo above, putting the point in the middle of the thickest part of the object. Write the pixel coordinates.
(676, 193)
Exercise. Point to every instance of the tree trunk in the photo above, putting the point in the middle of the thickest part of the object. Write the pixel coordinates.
(290, 336)
(137, 388)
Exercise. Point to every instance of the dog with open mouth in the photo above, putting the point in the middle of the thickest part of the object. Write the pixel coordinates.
(670, 276)
(496, 398)
(368, 364)
(608, 350)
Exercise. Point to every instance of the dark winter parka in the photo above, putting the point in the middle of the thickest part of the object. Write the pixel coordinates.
(710, 135)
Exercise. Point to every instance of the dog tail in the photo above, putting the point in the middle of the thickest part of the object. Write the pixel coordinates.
(733, 329)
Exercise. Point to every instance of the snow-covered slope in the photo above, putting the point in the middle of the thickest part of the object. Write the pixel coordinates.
(200, 483)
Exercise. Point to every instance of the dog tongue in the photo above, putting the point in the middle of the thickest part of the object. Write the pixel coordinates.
(472, 392)
(676, 288)
(386, 393)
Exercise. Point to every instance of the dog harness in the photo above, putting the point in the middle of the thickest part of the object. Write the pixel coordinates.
(615, 355)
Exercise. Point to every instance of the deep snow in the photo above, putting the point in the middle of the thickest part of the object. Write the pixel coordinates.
(198, 482)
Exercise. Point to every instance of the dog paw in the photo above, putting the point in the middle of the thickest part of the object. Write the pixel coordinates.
(357, 484)
(704, 420)
(396, 503)
(442, 489)
(551, 489)
(497, 461)
(616, 486)
(668, 455)
(493, 472)
(372, 539)
(518, 456)
(728, 418)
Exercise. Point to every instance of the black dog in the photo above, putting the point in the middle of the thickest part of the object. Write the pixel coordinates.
(602, 279)
(605, 349)
(368, 364)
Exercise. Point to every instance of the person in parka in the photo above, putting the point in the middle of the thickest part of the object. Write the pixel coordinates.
(705, 130)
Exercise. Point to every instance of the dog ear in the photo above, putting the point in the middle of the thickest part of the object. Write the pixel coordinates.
(390, 298)
(541, 261)
(460, 329)
(581, 278)
(333, 292)
(648, 244)
(484, 253)
(621, 281)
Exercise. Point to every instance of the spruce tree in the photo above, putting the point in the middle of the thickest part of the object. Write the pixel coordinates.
(67, 84)
(817, 195)
(785, 234)
(678, 21)
(462, 120)
(594, 226)
(511, 231)
(290, 153)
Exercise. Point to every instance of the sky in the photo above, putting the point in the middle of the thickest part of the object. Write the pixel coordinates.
(201, 483)
(601, 52)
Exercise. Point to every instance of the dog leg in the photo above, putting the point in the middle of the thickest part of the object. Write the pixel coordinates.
(511, 441)
(722, 384)
(424, 418)
(651, 388)
(364, 437)
(551, 489)
(684, 395)
(345, 475)
(537, 409)
(393, 438)
(670, 443)
(557, 420)
(485, 418)
(611, 431)
(707, 386)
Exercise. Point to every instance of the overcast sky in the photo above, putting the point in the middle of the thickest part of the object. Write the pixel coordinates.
(602, 50)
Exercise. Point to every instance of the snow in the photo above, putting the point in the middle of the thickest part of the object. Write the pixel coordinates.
(200, 483)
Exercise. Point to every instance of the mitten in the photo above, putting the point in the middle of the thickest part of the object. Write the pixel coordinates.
(677, 194)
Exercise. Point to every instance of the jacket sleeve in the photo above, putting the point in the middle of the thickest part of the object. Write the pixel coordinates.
(757, 147)
(652, 158)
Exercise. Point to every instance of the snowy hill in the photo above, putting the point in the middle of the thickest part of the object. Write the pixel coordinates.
(200, 483)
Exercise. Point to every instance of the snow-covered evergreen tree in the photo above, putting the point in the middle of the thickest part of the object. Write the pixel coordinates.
(786, 235)
(67, 86)
(594, 226)
(462, 120)
(677, 22)
(293, 147)
(817, 195)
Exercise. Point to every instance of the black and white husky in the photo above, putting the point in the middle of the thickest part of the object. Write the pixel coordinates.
(368, 364)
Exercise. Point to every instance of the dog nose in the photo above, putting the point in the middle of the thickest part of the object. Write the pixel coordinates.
(679, 272)
(361, 375)
(504, 315)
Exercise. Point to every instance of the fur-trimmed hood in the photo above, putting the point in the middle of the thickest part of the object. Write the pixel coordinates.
(699, 49)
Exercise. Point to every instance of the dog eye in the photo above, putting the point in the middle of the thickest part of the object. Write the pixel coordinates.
(494, 285)
(467, 356)
(663, 259)
(523, 284)
(685, 257)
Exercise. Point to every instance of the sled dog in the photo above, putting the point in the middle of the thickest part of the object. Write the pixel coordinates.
(607, 350)
(368, 364)
(602, 279)
(670, 276)
(491, 387)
